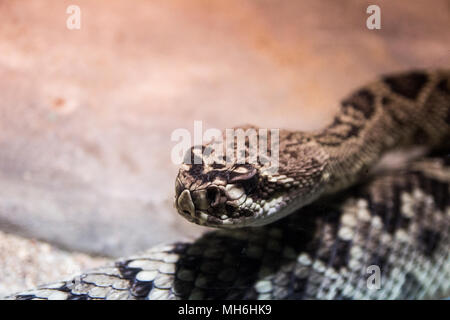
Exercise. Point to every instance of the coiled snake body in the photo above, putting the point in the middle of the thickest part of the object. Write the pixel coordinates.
(388, 238)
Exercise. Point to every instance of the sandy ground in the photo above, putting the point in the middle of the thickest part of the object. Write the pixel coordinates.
(86, 115)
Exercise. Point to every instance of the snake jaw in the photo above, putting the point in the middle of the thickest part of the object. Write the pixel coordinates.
(212, 206)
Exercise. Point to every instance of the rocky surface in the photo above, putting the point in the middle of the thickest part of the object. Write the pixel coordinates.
(86, 115)
(26, 263)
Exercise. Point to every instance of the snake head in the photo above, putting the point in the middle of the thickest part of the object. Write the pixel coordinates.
(217, 193)
(232, 195)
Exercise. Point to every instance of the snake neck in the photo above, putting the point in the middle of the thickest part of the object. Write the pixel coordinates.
(402, 110)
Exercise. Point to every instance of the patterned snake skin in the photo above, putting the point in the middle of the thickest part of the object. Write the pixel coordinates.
(217, 189)
(388, 238)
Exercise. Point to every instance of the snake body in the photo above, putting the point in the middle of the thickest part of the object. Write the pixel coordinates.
(396, 111)
(388, 238)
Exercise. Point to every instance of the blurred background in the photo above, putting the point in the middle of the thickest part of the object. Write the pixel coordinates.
(86, 115)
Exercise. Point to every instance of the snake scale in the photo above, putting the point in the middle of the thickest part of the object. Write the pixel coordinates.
(324, 226)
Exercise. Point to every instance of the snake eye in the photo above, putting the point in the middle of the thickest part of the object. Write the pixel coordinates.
(250, 184)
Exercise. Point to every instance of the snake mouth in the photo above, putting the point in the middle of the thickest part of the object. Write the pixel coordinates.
(202, 207)
(206, 220)
(213, 207)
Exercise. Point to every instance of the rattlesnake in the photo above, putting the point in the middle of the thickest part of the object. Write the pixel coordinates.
(386, 238)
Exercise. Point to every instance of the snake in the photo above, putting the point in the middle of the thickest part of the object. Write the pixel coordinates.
(328, 223)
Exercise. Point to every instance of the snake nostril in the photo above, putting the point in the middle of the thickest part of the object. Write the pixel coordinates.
(213, 195)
